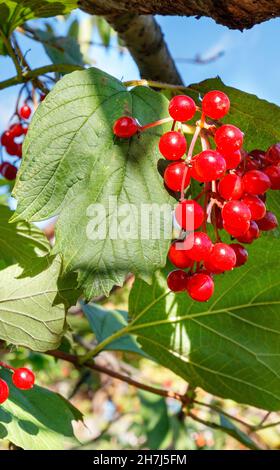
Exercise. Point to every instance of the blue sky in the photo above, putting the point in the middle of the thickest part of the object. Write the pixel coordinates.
(250, 62)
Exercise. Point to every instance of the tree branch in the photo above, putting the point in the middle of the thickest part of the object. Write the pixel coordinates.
(31, 74)
(236, 14)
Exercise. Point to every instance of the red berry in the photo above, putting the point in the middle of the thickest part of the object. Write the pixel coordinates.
(232, 159)
(230, 187)
(255, 182)
(189, 215)
(4, 391)
(23, 378)
(177, 280)
(8, 170)
(125, 127)
(42, 97)
(228, 138)
(6, 138)
(194, 173)
(215, 104)
(255, 159)
(209, 165)
(272, 156)
(178, 255)
(182, 108)
(222, 257)
(174, 175)
(252, 234)
(172, 145)
(236, 214)
(200, 287)
(241, 254)
(234, 231)
(256, 206)
(273, 172)
(210, 267)
(12, 148)
(16, 130)
(268, 222)
(25, 130)
(198, 246)
(25, 111)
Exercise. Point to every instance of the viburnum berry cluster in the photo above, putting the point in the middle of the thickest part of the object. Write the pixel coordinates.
(22, 379)
(233, 194)
(12, 140)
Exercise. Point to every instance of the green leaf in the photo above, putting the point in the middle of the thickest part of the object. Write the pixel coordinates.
(60, 49)
(155, 419)
(33, 304)
(257, 118)
(105, 322)
(13, 13)
(72, 165)
(20, 242)
(37, 419)
(230, 345)
(228, 427)
(104, 30)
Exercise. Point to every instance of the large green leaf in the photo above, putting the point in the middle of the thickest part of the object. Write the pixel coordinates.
(15, 12)
(257, 118)
(72, 163)
(20, 242)
(33, 304)
(229, 346)
(37, 419)
(61, 49)
(105, 322)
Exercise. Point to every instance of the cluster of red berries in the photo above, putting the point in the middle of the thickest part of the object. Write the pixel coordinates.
(12, 140)
(234, 193)
(22, 378)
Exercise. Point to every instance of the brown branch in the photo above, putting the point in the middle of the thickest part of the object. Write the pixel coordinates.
(116, 375)
(236, 14)
(144, 39)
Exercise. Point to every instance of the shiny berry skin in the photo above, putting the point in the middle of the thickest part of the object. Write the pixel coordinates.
(255, 182)
(237, 231)
(268, 222)
(177, 280)
(182, 108)
(273, 172)
(189, 215)
(232, 159)
(174, 174)
(200, 287)
(172, 145)
(8, 170)
(222, 257)
(125, 127)
(241, 254)
(12, 148)
(177, 255)
(209, 165)
(256, 206)
(25, 111)
(210, 267)
(236, 214)
(215, 104)
(25, 130)
(23, 378)
(6, 138)
(198, 246)
(4, 391)
(252, 234)
(16, 130)
(228, 138)
(272, 156)
(230, 187)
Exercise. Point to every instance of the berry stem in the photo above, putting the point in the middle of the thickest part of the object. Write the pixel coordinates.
(189, 157)
(154, 124)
